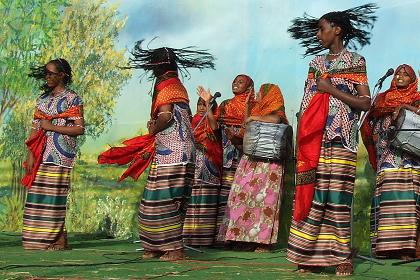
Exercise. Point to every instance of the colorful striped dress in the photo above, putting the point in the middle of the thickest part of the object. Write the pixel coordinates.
(46, 202)
(201, 216)
(395, 212)
(163, 206)
(322, 238)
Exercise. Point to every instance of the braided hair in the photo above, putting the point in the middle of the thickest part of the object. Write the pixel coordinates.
(62, 65)
(156, 62)
(352, 22)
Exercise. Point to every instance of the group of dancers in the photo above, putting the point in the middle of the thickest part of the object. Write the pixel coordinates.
(202, 190)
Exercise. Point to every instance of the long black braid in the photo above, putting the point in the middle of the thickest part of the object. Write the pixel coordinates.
(353, 23)
(156, 62)
(62, 65)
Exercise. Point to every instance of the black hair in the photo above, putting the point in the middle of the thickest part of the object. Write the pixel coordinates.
(351, 21)
(62, 65)
(156, 62)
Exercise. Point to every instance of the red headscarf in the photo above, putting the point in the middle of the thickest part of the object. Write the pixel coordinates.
(232, 111)
(385, 104)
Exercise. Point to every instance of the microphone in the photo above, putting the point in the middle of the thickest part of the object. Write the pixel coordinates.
(382, 79)
(216, 95)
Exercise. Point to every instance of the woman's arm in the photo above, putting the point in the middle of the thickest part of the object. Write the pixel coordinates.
(272, 118)
(163, 120)
(407, 107)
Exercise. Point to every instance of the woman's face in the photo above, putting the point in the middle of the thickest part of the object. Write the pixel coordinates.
(402, 78)
(239, 85)
(201, 107)
(53, 77)
(327, 33)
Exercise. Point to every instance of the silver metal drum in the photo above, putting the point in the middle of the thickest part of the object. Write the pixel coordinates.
(405, 135)
(268, 140)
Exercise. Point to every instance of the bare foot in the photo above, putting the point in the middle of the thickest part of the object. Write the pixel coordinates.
(174, 255)
(344, 269)
(263, 248)
(147, 255)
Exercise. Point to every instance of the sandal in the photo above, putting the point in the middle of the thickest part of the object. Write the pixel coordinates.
(175, 255)
(344, 269)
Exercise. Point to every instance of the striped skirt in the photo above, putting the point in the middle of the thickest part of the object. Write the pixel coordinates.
(162, 208)
(45, 209)
(395, 212)
(200, 220)
(323, 238)
(227, 180)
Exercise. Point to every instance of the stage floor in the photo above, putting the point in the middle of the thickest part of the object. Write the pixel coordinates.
(94, 257)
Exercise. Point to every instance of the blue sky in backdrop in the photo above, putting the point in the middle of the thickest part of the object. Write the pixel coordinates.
(248, 36)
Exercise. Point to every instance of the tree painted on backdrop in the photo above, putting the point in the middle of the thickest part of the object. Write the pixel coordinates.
(86, 38)
(83, 32)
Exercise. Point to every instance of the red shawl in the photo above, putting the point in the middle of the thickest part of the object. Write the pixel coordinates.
(385, 104)
(309, 139)
(139, 151)
(36, 143)
(205, 136)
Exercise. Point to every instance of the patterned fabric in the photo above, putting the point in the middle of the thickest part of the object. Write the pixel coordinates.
(323, 238)
(45, 208)
(344, 75)
(175, 144)
(168, 92)
(227, 179)
(395, 212)
(60, 149)
(253, 208)
(163, 206)
(321, 113)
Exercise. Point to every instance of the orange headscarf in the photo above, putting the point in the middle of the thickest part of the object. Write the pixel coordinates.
(232, 111)
(271, 102)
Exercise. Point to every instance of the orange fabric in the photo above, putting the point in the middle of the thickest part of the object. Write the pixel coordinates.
(169, 91)
(271, 102)
(309, 140)
(385, 104)
(36, 143)
(232, 111)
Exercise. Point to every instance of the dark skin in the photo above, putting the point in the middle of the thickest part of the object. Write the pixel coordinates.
(330, 37)
(55, 81)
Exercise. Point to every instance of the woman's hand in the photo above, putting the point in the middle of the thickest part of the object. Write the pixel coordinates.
(47, 125)
(397, 111)
(29, 163)
(204, 94)
(324, 85)
(151, 126)
(250, 94)
(251, 118)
